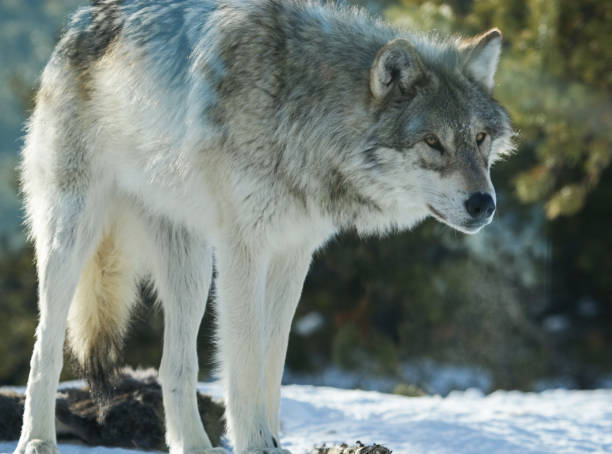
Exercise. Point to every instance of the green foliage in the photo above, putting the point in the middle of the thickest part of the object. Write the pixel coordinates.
(360, 349)
(409, 390)
(427, 294)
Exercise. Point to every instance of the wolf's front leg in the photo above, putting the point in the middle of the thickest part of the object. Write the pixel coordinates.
(240, 295)
(284, 283)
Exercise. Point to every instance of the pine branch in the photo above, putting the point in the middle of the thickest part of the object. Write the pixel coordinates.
(360, 448)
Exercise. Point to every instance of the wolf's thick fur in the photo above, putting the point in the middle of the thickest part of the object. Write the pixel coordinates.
(166, 131)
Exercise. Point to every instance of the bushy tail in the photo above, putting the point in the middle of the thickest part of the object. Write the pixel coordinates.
(99, 316)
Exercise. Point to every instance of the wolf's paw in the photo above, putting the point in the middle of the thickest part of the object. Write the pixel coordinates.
(38, 447)
(268, 451)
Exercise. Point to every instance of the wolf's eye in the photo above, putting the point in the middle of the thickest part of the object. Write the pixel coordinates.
(434, 142)
(480, 137)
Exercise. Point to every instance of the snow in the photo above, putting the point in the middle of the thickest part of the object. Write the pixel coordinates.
(466, 422)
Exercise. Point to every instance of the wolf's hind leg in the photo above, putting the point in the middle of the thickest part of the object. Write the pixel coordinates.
(182, 271)
(66, 227)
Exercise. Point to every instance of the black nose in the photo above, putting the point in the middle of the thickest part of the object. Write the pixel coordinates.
(480, 206)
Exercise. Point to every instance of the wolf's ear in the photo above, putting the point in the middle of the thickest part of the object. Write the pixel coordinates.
(397, 65)
(480, 55)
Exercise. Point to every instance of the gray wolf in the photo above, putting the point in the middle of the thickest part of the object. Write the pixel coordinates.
(166, 133)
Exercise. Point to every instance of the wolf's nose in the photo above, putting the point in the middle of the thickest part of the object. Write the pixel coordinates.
(480, 206)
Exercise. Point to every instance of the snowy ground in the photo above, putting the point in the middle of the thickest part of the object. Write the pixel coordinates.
(551, 422)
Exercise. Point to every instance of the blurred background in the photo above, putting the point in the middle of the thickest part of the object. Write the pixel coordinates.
(526, 304)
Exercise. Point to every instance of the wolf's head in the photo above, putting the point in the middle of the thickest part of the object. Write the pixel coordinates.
(438, 129)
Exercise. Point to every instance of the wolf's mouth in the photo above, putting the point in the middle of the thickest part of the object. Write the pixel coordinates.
(436, 213)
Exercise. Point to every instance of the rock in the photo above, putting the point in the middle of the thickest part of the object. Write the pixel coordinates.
(11, 412)
(134, 417)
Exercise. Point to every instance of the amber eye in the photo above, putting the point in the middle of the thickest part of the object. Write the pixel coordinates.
(434, 142)
(480, 137)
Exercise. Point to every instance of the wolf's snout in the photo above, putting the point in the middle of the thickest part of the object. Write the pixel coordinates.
(480, 206)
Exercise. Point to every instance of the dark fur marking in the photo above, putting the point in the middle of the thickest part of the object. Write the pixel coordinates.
(346, 202)
(92, 42)
(107, 25)
(338, 189)
(101, 373)
(370, 158)
(441, 169)
(101, 369)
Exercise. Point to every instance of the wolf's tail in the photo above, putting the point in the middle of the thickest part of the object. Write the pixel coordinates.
(99, 315)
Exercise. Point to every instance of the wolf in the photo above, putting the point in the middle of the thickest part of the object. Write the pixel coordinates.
(168, 133)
